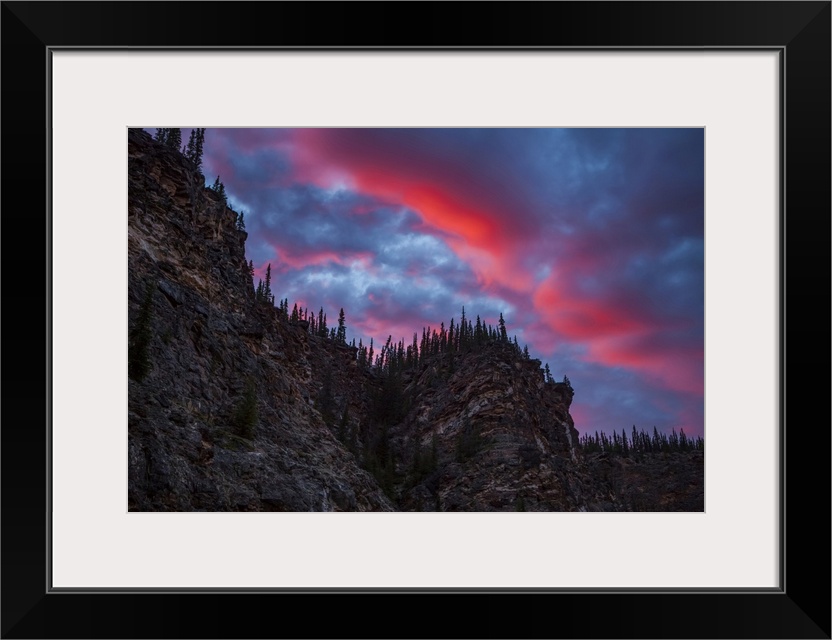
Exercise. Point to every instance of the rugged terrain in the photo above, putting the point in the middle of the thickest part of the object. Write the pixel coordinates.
(241, 409)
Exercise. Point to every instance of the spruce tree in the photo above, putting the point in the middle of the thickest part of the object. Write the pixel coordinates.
(503, 334)
(267, 286)
(219, 188)
(451, 336)
(190, 147)
(174, 139)
(194, 149)
(161, 135)
(342, 328)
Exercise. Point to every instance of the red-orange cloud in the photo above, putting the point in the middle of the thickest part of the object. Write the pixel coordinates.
(468, 213)
(619, 336)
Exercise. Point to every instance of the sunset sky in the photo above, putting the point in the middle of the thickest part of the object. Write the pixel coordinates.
(589, 241)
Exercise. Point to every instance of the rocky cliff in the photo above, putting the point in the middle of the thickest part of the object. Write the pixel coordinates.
(240, 409)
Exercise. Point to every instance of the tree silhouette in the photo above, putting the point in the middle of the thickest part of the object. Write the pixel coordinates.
(342, 328)
(174, 139)
(267, 286)
(194, 149)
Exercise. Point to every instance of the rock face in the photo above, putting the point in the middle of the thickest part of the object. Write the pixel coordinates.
(503, 438)
(209, 342)
(244, 410)
(647, 482)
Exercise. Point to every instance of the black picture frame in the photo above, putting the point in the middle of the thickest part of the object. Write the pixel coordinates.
(800, 31)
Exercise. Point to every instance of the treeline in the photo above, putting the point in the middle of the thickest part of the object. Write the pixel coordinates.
(458, 337)
(193, 151)
(389, 402)
(640, 442)
(444, 343)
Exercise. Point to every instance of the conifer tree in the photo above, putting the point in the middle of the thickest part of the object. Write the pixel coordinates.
(451, 336)
(342, 328)
(241, 225)
(194, 149)
(503, 334)
(161, 135)
(415, 348)
(174, 139)
(219, 188)
(267, 286)
(361, 355)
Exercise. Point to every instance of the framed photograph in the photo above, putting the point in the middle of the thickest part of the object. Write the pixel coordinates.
(751, 79)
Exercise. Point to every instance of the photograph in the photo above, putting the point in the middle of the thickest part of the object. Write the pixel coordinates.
(289, 282)
(416, 319)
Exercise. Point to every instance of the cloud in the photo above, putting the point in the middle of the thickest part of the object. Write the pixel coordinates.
(590, 241)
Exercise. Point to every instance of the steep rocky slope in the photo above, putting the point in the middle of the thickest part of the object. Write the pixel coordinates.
(503, 438)
(242, 409)
(209, 341)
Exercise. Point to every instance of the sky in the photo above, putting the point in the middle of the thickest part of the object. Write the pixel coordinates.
(590, 242)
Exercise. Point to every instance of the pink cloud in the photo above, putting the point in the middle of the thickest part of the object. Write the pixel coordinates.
(477, 219)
